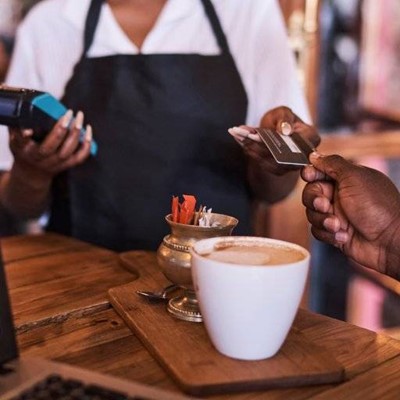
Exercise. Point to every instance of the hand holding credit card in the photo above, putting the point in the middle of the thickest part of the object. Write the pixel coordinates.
(287, 149)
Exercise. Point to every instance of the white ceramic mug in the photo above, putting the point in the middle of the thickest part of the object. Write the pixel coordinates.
(248, 304)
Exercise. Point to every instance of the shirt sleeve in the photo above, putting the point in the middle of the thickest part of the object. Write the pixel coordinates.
(6, 158)
(47, 46)
(20, 76)
(276, 79)
(23, 70)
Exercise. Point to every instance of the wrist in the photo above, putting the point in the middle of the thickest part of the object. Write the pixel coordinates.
(27, 175)
(25, 191)
(268, 186)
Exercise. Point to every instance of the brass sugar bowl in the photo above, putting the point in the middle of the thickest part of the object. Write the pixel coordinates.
(173, 257)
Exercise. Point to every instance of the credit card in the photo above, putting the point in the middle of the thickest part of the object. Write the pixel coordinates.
(291, 149)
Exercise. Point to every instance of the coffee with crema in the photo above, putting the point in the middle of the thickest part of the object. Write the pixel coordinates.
(254, 254)
(245, 285)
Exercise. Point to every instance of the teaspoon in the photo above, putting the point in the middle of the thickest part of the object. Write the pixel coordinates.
(160, 295)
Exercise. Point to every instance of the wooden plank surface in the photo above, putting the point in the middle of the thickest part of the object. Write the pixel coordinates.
(17, 248)
(357, 349)
(199, 369)
(380, 383)
(100, 341)
(52, 277)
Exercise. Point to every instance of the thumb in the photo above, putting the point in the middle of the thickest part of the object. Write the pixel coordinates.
(333, 166)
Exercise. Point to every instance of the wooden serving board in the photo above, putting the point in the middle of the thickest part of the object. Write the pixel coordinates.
(185, 351)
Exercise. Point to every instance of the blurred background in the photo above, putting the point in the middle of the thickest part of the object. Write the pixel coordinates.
(11, 13)
(348, 60)
(349, 63)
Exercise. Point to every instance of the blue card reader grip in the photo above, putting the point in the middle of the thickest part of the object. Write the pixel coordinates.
(54, 109)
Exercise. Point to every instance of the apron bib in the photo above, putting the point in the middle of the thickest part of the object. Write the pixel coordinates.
(160, 122)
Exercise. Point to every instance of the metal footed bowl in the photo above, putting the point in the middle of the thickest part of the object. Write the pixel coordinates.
(173, 257)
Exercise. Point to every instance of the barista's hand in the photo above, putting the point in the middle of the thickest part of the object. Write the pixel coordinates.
(282, 120)
(60, 150)
(356, 209)
(270, 181)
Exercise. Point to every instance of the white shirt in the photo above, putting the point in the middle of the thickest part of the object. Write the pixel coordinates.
(49, 43)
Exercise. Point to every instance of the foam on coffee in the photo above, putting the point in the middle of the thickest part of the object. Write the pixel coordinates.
(254, 254)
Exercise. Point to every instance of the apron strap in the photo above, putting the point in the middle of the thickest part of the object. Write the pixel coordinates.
(92, 19)
(216, 26)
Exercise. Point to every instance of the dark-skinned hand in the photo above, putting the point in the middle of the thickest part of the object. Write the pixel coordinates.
(60, 150)
(356, 209)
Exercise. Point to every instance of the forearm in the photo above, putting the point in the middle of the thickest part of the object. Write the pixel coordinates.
(269, 187)
(24, 193)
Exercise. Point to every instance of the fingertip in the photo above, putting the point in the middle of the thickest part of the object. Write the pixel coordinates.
(250, 129)
(255, 137)
(341, 237)
(66, 119)
(332, 224)
(79, 120)
(314, 156)
(321, 204)
(308, 173)
(239, 131)
(88, 133)
(238, 137)
(26, 133)
(286, 128)
(311, 174)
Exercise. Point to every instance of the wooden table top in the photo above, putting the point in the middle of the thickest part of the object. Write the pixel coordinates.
(53, 277)
(58, 288)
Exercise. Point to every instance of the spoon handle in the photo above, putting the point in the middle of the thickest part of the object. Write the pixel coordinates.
(170, 288)
(161, 295)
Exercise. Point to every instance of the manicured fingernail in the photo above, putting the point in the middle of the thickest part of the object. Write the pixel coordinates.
(255, 137)
(79, 120)
(238, 138)
(27, 133)
(88, 134)
(286, 128)
(236, 130)
(66, 119)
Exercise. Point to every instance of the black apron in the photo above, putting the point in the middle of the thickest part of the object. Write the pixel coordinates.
(161, 123)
